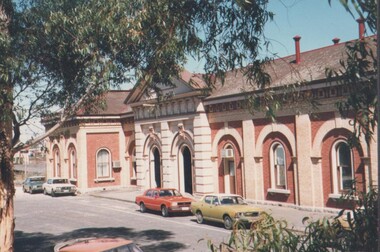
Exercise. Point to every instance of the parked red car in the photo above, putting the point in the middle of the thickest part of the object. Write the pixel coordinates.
(166, 200)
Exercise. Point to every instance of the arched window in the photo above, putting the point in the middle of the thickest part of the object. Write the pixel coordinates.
(344, 170)
(103, 164)
(278, 167)
(73, 162)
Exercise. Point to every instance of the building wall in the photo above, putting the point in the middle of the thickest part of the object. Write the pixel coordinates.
(308, 141)
(96, 142)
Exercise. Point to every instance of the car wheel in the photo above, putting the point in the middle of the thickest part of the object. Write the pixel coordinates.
(52, 193)
(164, 211)
(45, 192)
(24, 189)
(142, 207)
(227, 222)
(199, 216)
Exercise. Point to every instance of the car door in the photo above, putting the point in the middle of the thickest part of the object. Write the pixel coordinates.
(150, 199)
(206, 206)
(27, 184)
(216, 212)
(156, 201)
(50, 186)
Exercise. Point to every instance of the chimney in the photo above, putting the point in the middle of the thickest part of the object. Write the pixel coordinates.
(336, 40)
(298, 51)
(361, 27)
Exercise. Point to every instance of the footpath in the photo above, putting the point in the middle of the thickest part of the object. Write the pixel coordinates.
(290, 213)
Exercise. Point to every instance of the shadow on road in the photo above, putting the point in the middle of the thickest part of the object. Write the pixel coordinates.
(153, 238)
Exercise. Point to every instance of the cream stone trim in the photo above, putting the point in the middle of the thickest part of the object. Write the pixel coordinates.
(179, 140)
(326, 127)
(274, 127)
(223, 132)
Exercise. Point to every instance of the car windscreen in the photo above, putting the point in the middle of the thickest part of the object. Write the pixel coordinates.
(37, 179)
(232, 200)
(169, 192)
(59, 181)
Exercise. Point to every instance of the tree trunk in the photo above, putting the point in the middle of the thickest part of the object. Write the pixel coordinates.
(7, 189)
(7, 192)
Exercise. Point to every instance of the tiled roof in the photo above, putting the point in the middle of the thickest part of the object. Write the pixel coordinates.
(285, 71)
(115, 104)
(195, 80)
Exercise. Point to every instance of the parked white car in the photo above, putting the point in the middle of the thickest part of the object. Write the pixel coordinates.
(56, 186)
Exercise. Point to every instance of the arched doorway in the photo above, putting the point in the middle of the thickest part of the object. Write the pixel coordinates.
(187, 170)
(156, 166)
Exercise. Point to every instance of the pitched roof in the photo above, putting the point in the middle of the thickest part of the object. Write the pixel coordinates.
(284, 71)
(115, 105)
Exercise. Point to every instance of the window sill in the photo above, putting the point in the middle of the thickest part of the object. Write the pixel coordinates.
(104, 180)
(336, 196)
(281, 191)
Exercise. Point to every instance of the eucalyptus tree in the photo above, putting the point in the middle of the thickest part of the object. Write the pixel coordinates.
(58, 56)
(361, 76)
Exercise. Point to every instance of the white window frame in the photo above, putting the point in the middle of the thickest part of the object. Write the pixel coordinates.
(106, 172)
(336, 169)
(275, 172)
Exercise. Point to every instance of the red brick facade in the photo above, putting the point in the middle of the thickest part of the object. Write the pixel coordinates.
(96, 142)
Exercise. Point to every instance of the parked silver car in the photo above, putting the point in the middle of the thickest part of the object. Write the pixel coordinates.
(55, 186)
(33, 184)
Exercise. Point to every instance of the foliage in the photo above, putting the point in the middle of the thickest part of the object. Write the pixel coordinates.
(350, 230)
(61, 56)
(358, 77)
(67, 53)
(364, 8)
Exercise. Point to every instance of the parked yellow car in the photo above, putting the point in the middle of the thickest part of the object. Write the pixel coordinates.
(225, 208)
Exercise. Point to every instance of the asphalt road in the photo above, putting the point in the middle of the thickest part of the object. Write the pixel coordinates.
(43, 221)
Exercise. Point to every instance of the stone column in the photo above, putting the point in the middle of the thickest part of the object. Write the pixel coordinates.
(204, 179)
(141, 167)
(167, 167)
(250, 174)
(82, 159)
(304, 174)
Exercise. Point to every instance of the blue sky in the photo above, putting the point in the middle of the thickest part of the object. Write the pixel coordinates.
(314, 20)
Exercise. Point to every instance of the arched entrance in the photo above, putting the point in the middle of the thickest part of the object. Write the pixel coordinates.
(156, 167)
(187, 170)
(230, 167)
